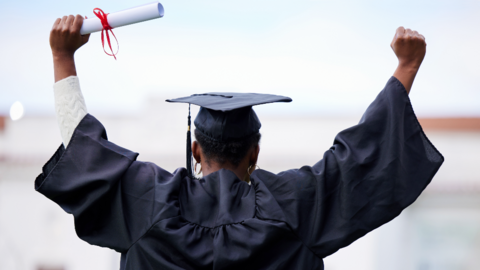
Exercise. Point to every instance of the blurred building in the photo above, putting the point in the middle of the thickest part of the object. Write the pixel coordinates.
(441, 231)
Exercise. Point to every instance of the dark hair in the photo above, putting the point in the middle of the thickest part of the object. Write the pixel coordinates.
(223, 152)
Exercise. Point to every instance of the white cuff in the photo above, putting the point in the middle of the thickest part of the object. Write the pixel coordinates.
(69, 106)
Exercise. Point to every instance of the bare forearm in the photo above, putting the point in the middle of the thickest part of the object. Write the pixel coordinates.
(63, 66)
(406, 75)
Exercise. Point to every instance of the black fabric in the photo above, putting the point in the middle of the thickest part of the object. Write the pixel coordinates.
(227, 117)
(290, 220)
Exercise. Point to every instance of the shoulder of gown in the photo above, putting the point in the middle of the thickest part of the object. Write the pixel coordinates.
(113, 197)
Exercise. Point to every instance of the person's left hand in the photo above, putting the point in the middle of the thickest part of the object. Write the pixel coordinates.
(65, 36)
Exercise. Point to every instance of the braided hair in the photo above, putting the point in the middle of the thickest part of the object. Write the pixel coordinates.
(226, 152)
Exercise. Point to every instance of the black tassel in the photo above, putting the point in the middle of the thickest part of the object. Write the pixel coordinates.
(189, 146)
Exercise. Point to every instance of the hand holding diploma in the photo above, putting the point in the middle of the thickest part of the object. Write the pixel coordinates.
(65, 36)
(71, 32)
(72, 27)
(65, 39)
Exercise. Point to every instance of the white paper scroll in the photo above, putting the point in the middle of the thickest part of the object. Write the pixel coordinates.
(125, 17)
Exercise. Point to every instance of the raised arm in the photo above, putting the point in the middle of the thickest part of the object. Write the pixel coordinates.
(410, 48)
(113, 198)
(372, 172)
(65, 39)
(70, 106)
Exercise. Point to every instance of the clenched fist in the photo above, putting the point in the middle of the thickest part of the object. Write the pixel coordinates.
(65, 36)
(409, 46)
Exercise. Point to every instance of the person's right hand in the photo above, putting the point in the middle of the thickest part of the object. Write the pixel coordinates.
(409, 46)
(65, 36)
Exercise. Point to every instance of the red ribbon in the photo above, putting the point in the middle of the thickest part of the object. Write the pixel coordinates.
(106, 27)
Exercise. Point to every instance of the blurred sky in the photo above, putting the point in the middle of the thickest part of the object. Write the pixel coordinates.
(331, 57)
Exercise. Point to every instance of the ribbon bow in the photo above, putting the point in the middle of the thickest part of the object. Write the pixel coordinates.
(106, 27)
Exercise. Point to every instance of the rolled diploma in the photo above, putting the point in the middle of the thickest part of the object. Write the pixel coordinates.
(125, 17)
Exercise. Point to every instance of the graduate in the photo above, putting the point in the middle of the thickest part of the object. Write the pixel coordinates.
(236, 216)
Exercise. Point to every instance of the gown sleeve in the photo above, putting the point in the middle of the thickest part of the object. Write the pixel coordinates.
(372, 172)
(111, 195)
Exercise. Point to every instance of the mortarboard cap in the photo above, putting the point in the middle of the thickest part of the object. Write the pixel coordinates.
(225, 116)
(228, 116)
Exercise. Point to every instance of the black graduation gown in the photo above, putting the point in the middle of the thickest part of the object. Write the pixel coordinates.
(290, 220)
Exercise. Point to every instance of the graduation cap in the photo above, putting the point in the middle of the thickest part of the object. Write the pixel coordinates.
(224, 116)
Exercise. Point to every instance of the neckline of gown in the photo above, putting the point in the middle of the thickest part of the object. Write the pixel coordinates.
(218, 199)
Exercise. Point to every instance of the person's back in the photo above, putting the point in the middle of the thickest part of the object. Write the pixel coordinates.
(237, 216)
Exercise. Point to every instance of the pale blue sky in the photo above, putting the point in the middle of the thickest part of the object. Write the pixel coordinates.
(331, 57)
